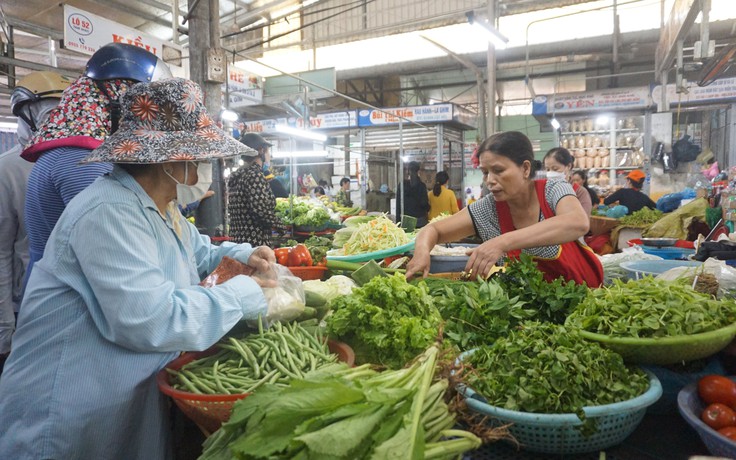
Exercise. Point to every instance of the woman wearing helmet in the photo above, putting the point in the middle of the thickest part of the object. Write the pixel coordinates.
(33, 98)
(87, 114)
(117, 296)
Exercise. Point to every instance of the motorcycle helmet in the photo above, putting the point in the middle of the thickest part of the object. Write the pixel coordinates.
(34, 87)
(129, 62)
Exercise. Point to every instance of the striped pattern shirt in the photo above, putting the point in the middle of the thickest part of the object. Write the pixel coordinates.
(55, 179)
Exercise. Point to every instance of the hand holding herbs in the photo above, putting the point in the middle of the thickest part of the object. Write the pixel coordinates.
(550, 369)
(343, 413)
(387, 321)
(651, 308)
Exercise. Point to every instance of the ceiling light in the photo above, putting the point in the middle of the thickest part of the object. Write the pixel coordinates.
(301, 133)
(300, 154)
(492, 34)
(555, 124)
(602, 120)
(228, 115)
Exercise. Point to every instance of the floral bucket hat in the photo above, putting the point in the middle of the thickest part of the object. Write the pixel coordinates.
(166, 121)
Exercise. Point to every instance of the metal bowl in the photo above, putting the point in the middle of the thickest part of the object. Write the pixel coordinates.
(659, 242)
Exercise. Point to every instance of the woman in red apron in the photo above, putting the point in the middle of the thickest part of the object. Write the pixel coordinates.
(543, 218)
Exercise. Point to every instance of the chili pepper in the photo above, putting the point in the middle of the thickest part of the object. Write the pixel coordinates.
(282, 255)
(299, 256)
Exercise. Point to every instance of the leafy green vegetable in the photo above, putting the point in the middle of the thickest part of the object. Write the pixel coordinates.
(476, 313)
(547, 368)
(301, 213)
(641, 218)
(554, 301)
(387, 321)
(651, 308)
(345, 413)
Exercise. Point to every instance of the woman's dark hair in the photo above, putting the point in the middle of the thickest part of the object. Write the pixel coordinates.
(583, 175)
(513, 145)
(636, 184)
(414, 167)
(344, 180)
(439, 180)
(135, 169)
(561, 155)
(319, 191)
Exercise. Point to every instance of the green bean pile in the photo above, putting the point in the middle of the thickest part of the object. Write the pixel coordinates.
(275, 356)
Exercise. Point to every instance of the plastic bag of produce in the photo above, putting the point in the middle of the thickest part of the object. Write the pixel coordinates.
(676, 223)
(612, 262)
(713, 277)
(286, 301)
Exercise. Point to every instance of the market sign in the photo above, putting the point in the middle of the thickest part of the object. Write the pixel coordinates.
(720, 90)
(86, 33)
(344, 119)
(610, 99)
(263, 126)
(420, 114)
(243, 88)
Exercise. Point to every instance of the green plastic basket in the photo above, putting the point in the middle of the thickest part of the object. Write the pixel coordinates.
(559, 433)
(666, 350)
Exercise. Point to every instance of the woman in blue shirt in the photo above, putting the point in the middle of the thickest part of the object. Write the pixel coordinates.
(116, 295)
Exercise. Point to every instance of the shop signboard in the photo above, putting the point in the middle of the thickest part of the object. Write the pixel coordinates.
(390, 116)
(86, 33)
(719, 91)
(263, 126)
(344, 119)
(610, 99)
(243, 88)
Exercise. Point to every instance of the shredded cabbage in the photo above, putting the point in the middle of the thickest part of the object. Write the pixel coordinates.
(376, 235)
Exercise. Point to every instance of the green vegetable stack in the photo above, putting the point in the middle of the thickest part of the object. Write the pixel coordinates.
(547, 368)
(651, 308)
(554, 301)
(641, 218)
(343, 413)
(387, 321)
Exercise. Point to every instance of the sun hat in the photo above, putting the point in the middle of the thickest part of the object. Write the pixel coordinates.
(254, 141)
(636, 175)
(165, 121)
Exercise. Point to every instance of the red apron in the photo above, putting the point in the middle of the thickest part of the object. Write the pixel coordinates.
(574, 261)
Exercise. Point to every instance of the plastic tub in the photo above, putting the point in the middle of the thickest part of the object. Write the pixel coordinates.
(449, 264)
(640, 268)
(671, 253)
(690, 406)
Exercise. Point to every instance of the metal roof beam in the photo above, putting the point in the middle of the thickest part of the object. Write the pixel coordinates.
(35, 29)
(37, 66)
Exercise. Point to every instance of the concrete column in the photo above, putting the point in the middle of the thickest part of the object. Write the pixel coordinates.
(491, 85)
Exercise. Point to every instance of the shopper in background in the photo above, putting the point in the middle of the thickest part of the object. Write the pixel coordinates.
(116, 295)
(88, 112)
(326, 187)
(542, 218)
(416, 201)
(441, 199)
(580, 177)
(251, 203)
(559, 162)
(342, 198)
(632, 196)
(33, 98)
(259, 144)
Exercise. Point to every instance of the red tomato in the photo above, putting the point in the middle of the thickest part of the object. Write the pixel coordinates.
(729, 432)
(717, 389)
(718, 416)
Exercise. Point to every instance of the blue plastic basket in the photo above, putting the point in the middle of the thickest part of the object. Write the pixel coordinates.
(559, 433)
(671, 253)
(690, 406)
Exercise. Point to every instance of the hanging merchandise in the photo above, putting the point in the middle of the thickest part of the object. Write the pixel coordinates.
(684, 150)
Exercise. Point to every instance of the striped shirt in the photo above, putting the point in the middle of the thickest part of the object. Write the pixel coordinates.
(487, 225)
(113, 300)
(55, 179)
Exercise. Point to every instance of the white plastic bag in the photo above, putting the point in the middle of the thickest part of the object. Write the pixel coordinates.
(612, 262)
(286, 301)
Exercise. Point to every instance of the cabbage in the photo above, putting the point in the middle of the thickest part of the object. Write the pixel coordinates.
(343, 284)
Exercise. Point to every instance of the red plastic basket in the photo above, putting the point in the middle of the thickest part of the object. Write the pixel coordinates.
(211, 411)
(308, 273)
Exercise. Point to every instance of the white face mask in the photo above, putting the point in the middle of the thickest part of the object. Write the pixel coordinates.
(555, 175)
(187, 194)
